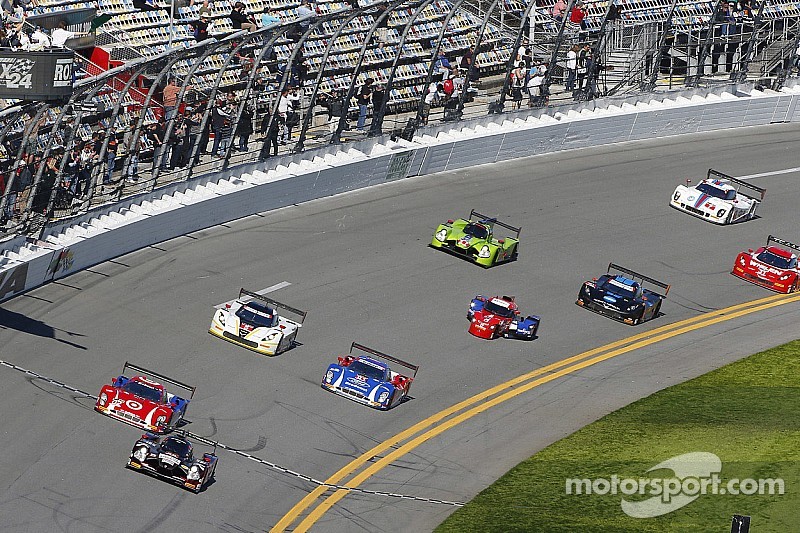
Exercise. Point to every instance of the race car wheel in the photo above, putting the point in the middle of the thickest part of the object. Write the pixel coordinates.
(729, 219)
(657, 309)
(514, 254)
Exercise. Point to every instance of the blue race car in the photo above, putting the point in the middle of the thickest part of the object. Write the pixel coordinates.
(621, 297)
(368, 379)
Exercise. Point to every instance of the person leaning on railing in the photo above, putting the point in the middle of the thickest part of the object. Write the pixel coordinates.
(60, 34)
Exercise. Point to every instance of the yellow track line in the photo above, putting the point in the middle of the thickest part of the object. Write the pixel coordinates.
(634, 342)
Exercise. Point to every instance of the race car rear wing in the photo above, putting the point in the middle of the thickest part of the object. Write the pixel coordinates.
(160, 378)
(382, 355)
(741, 183)
(788, 244)
(636, 275)
(274, 303)
(495, 221)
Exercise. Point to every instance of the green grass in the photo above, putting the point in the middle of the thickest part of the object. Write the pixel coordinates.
(747, 413)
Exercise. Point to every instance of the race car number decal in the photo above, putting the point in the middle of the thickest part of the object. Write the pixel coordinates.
(133, 405)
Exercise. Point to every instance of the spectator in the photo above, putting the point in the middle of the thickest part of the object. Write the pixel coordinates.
(156, 138)
(89, 159)
(363, 98)
(60, 35)
(200, 28)
(39, 40)
(516, 83)
(572, 67)
(170, 98)
(335, 105)
(194, 121)
(221, 126)
(146, 5)
(269, 18)
(378, 97)
(131, 168)
(431, 97)
(111, 156)
(240, 19)
(304, 11)
(244, 128)
(272, 133)
(178, 141)
(559, 9)
(615, 11)
(382, 30)
(578, 16)
(442, 65)
(727, 19)
(583, 55)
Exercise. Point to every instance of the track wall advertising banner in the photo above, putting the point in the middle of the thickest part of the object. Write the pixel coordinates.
(45, 76)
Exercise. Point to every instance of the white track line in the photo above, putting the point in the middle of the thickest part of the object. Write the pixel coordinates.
(262, 292)
(773, 173)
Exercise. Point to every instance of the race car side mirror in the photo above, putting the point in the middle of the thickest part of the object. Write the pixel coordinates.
(688, 182)
(749, 250)
(449, 221)
(501, 241)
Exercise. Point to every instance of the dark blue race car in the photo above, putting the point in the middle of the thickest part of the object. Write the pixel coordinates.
(621, 296)
(368, 379)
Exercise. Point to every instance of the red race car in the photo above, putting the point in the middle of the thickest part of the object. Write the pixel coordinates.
(142, 400)
(490, 318)
(770, 266)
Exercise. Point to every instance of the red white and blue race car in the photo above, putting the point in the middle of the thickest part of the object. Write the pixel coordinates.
(499, 316)
(142, 400)
(172, 458)
(368, 379)
(719, 198)
(770, 266)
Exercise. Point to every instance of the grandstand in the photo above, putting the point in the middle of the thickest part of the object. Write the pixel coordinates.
(120, 131)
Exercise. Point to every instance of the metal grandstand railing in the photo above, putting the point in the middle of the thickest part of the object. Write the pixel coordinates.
(115, 139)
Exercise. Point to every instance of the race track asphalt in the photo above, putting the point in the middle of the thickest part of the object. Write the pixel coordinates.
(360, 265)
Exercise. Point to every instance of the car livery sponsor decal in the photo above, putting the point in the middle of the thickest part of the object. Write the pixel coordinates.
(133, 405)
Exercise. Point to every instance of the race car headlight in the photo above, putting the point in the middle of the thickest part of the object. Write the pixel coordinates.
(161, 420)
(676, 195)
(721, 213)
(441, 235)
(103, 398)
(741, 260)
(194, 473)
(485, 252)
(329, 376)
(222, 318)
(786, 276)
(271, 336)
(383, 397)
(140, 454)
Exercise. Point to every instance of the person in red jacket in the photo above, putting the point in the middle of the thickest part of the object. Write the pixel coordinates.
(578, 15)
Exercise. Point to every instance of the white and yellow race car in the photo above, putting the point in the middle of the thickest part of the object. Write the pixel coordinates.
(252, 321)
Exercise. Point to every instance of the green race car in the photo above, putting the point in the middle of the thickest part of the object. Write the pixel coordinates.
(475, 240)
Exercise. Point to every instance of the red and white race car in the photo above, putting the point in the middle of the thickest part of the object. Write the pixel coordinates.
(772, 267)
(490, 318)
(142, 400)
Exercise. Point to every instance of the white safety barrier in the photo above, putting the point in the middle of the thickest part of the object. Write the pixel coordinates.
(185, 207)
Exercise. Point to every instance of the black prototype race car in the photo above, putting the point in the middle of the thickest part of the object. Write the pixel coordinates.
(621, 296)
(172, 458)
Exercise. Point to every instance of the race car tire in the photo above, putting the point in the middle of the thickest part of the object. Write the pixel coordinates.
(514, 254)
(657, 309)
(729, 218)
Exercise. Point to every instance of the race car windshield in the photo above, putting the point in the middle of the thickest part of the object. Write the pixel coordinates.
(715, 192)
(623, 289)
(179, 447)
(497, 309)
(369, 371)
(260, 318)
(476, 231)
(142, 391)
(777, 261)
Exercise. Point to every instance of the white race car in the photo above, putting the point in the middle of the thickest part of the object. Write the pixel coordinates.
(252, 321)
(718, 198)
